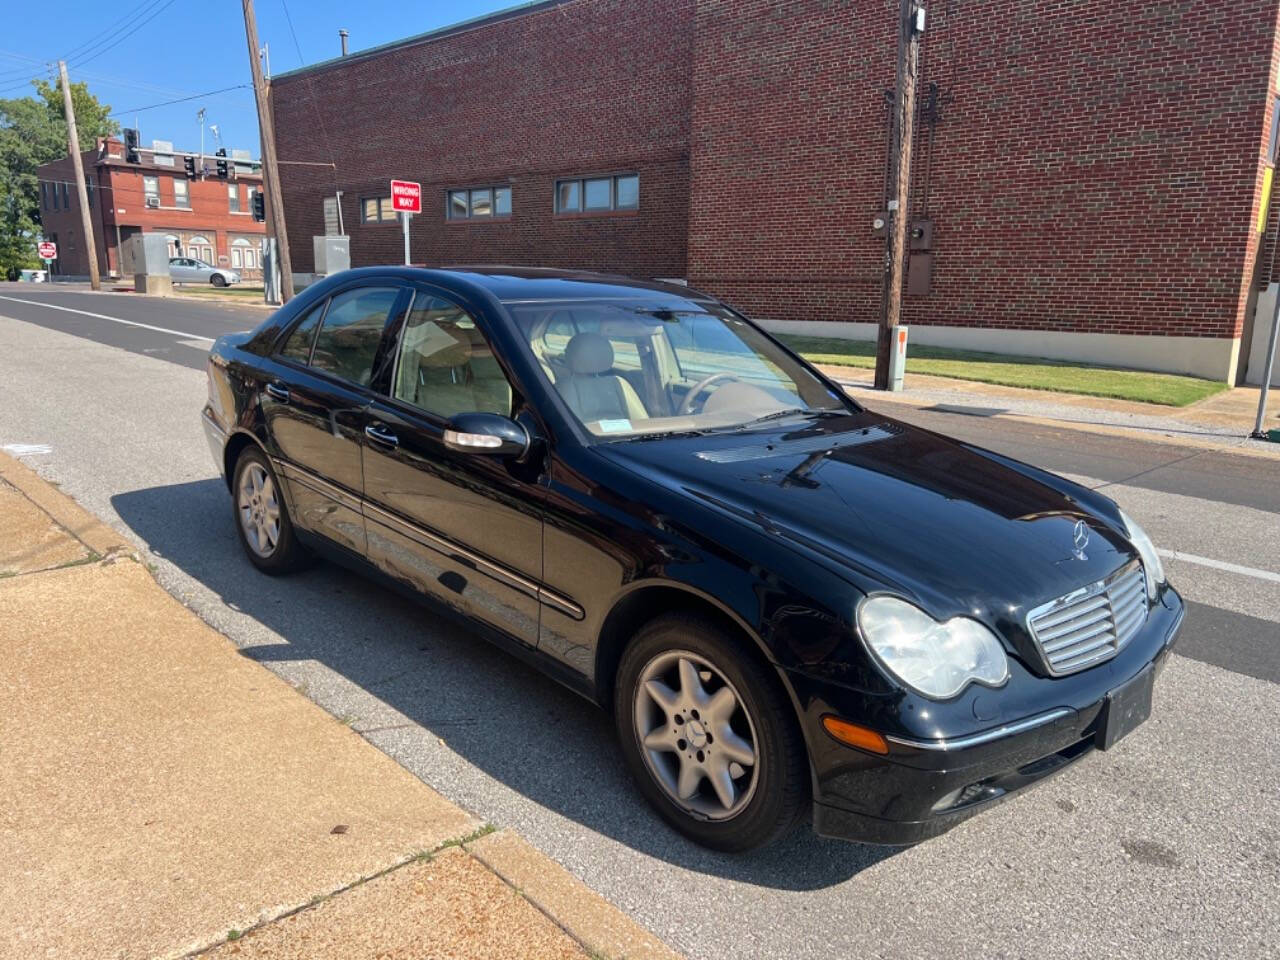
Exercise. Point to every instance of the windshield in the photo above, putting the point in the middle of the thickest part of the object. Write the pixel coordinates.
(631, 367)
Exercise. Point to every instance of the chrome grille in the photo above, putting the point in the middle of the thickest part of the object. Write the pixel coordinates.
(1091, 624)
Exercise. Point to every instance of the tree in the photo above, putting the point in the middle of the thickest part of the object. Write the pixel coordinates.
(33, 131)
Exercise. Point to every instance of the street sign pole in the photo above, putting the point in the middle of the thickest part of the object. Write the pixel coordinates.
(406, 200)
(1268, 370)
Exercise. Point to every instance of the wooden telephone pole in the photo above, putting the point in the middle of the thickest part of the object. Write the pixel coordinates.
(73, 147)
(910, 28)
(270, 170)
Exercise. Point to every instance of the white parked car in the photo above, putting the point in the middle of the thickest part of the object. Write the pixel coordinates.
(191, 270)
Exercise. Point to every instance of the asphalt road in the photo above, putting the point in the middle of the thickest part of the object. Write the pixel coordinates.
(1168, 846)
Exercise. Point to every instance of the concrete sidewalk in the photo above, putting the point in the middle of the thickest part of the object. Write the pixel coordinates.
(1221, 422)
(164, 796)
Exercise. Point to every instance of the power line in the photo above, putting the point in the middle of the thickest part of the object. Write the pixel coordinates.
(194, 96)
(315, 106)
(100, 35)
(142, 22)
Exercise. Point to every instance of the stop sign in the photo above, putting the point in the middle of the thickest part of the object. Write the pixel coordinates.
(48, 250)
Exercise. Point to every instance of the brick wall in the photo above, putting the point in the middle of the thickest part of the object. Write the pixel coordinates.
(1097, 170)
(589, 86)
(63, 223)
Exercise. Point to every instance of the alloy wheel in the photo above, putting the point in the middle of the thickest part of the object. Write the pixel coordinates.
(259, 509)
(696, 736)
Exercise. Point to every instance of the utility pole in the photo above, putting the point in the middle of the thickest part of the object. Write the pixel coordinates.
(270, 171)
(910, 28)
(73, 147)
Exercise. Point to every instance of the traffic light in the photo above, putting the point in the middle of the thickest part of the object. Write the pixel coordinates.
(131, 154)
(222, 162)
(189, 162)
(259, 206)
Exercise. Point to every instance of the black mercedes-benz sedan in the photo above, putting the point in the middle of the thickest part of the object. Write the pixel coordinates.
(790, 604)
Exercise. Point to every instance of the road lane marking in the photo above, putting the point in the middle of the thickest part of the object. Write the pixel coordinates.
(102, 316)
(1220, 565)
(26, 449)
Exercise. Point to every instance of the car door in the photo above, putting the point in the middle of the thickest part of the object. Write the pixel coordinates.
(464, 528)
(180, 270)
(314, 400)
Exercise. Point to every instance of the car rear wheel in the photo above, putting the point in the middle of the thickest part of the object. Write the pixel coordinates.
(262, 519)
(709, 735)
(218, 280)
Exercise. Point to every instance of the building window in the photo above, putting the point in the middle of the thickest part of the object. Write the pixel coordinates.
(598, 194)
(376, 210)
(478, 202)
(181, 197)
(248, 196)
(233, 197)
(200, 248)
(151, 191)
(44, 195)
(88, 186)
(66, 205)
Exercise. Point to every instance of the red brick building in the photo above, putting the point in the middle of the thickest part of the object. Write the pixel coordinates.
(204, 217)
(1088, 173)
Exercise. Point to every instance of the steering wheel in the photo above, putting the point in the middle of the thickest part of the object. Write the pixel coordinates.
(686, 405)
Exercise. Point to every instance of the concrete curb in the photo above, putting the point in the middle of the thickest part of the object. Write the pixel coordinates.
(96, 536)
(598, 925)
(1234, 445)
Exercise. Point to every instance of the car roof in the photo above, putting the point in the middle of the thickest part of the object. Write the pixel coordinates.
(511, 284)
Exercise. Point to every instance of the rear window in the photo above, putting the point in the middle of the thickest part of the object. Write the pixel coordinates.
(351, 331)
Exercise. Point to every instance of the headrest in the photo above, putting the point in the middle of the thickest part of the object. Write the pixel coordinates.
(588, 354)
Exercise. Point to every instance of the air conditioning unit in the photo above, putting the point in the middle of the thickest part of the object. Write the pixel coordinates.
(153, 202)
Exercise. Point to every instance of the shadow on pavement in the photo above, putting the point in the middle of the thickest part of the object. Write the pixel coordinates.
(503, 717)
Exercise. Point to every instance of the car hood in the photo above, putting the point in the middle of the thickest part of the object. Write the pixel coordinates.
(956, 528)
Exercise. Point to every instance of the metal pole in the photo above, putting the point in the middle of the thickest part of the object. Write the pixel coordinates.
(270, 171)
(73, 146)
(404, 218)
(909, 29)
(1267, 371)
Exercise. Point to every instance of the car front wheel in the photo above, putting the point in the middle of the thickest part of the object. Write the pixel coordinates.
(262, 518)
(218, 280)
(709, 735)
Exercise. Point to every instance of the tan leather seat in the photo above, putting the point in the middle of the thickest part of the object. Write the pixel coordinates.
(592, 390)
(448, 369)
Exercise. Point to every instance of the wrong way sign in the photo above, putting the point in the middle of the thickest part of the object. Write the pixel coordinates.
(406, 196)
(47, 249)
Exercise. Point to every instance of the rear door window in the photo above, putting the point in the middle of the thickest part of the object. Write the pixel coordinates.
(347, 343)
(298, 346)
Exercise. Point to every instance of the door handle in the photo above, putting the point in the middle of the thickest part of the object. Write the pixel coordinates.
(278, 391)
(381, 435)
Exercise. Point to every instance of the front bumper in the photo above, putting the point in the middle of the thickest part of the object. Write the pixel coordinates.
(923, 788)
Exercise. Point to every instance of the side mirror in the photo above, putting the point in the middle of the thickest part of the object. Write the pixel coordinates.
(486, 433)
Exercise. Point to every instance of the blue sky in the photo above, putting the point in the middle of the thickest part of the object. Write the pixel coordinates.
(169, 49)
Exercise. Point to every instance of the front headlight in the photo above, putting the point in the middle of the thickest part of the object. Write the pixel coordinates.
(1147, 551)
(935, 659)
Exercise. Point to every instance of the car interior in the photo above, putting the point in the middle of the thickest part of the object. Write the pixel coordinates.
(626, 368)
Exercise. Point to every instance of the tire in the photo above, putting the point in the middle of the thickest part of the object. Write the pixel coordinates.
(769, 795)
(218, 280)
(284, 553)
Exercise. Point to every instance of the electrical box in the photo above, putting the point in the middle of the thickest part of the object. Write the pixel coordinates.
(146, 256)
(332, 254)
(919, 274)
(897, 358)
(920, 237)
